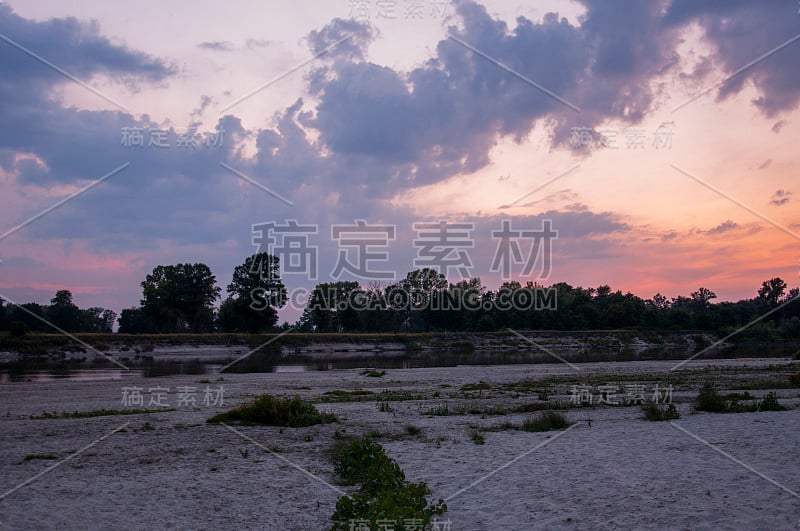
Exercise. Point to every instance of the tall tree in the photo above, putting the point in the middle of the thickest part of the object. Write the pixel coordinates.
(63, 313)
(255, 294)
(180, 298)
(135, 321)
(771, 291)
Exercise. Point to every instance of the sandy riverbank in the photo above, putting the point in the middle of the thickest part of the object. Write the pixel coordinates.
(612, 470)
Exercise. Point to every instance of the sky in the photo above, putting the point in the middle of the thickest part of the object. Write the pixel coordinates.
(657, 137)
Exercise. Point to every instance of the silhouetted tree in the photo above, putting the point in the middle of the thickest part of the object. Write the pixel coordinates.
(180, 298)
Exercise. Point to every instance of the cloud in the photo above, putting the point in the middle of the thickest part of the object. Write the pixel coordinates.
(780, 198)
(217, 46)
(777, 126)
(741, 32)
(723, 227)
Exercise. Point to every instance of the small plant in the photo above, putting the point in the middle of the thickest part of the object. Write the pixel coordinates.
(372, 373)
(413, 430)
(275, 411)
(547, 421)
(770, 403)
(439, 411)
(384, 407)
(477, 437)
(384, 494)
(658, 412)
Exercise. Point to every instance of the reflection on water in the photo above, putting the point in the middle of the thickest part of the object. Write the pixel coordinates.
(79, 370)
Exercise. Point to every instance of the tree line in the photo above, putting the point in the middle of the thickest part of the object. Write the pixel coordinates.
(182, 298)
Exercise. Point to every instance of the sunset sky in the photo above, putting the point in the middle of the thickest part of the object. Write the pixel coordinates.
(410, 118)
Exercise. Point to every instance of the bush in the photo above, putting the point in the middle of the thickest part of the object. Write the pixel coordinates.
(384, 493)
(770, 403)
(709, 400)
(275, 411)
(547, 421)
(658, 412)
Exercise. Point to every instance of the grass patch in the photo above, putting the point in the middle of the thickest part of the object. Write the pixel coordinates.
(547, 421)
(541, 406)
(440, 411)
(384, 493)
(413, 431)
(477, 437)
(480, 386)
(660, 412)
(372, 373)
(32, 457)
(711, 401)
(275, 411)
(97, 413)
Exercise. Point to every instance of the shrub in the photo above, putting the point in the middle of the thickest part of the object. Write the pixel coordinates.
(275, 411)
(384, 493)
(709, 400)
(413, 430)
(794, 379)
(477, 437)
(547, 421)
(770, 403)
(658, 412)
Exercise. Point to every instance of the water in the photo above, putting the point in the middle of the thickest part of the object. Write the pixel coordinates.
(48, 371)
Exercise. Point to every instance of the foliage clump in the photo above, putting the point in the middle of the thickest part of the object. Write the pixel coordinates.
(660, 412)
(275, 411)
(710, 400)
(384, 494)
(548, 421)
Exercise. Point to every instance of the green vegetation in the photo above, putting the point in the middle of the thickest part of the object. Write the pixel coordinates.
(413, 431)
(275, 411)
(97, 413)
(31, 457)
(477, 437)
(660, 412)
(541, 406)
(547, 421)
(711, 401)
(384, 493)
(372, 373)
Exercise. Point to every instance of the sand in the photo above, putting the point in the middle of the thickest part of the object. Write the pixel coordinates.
(611, 470)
